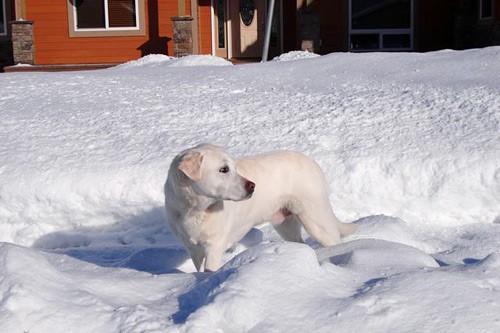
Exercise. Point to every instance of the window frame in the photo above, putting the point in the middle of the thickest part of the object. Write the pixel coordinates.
(383, 32)
(138, 30)
(4, 9)
(486, 18)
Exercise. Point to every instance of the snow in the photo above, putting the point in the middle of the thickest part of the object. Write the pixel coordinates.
(161, 60)
(409, 143)
(295, 55)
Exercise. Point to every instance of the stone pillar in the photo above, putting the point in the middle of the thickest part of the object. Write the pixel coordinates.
(183, 35)
(309, 32)
(23, 42)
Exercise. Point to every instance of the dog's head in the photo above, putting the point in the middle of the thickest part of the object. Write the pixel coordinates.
(212, 173)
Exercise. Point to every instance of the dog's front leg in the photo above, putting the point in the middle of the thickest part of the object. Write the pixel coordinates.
(213, 257)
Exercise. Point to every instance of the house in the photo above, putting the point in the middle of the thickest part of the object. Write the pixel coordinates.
(62, 32)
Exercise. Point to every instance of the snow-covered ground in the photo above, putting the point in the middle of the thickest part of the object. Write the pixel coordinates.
(410, 145)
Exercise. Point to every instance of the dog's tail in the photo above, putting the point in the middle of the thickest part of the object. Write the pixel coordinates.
(347, 228)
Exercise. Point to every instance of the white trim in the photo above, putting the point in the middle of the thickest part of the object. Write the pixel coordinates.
(106, 20)
(229, 28)
(212, 24)
(4, 7)
(486, 18)
(196, 31)
(384, 32)
(215, 29)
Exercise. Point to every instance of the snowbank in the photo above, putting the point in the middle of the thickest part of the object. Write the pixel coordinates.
(295, 55)
(160, 60)
(410, 145)
(369, 285)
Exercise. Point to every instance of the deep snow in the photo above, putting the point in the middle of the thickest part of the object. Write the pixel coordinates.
(410, 145)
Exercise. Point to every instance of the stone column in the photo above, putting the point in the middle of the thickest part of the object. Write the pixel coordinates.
(309, 32)
(23, 42)
(183, 35)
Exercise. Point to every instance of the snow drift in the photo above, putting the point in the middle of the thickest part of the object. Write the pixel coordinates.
(410, 145)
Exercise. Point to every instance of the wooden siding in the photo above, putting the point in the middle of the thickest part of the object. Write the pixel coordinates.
(435, 24)
(290, 39)
(54, 46)
(333, 20)
(497, 11)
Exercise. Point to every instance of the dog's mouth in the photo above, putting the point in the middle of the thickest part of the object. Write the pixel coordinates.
(243, 197)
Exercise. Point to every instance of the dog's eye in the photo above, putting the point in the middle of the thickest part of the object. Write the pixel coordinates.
(224, 169)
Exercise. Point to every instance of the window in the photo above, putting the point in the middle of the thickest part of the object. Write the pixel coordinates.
(381, 25)
(3, 19)
(221, 28)
(486, 9)
(247, 11)
(106, 18)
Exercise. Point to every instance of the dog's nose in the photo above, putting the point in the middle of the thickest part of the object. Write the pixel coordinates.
(250, 186)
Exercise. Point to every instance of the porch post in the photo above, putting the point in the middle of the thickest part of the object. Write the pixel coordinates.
(181, 8)
(20, 10)
(23, 45)
(309, 30)
(182, 31)
(267, 36)
(183, 35)
(194, 15)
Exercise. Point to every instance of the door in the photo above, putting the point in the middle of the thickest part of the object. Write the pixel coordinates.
(248, 19)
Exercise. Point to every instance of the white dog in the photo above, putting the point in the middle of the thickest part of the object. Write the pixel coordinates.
(212, 201)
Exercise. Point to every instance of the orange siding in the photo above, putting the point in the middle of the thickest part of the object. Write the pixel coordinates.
(205, 27)
(54, 46)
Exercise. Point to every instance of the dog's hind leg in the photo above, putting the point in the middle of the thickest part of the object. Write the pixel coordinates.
(320, 222)
(290, 229)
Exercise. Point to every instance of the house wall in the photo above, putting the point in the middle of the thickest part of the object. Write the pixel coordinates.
(289, 25)
(54, 46)
(435, 24)
(333, 24)
(5, 41)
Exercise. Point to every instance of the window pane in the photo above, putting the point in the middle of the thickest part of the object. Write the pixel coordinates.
(121, 13)
(90, 14)
(2, 18)
(401, 41)
(364, 42)
(486, 8)
(220, 22)
(247, 11)
(381, 14)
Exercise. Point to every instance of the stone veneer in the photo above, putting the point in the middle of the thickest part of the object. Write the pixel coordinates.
(309, 32)
(23, 45)
(183, 35)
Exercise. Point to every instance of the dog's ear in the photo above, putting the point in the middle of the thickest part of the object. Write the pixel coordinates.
(190, 165)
